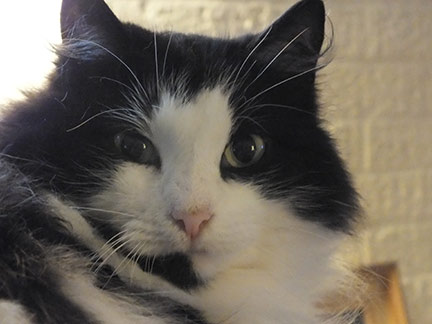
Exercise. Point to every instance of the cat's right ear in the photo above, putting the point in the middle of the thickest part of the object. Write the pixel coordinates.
(89, 29)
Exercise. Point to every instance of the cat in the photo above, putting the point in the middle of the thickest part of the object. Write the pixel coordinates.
(162, 177)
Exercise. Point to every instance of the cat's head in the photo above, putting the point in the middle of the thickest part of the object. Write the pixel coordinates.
(206, 151)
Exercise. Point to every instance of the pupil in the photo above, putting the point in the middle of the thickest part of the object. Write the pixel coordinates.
(244, 150)
(133, 147)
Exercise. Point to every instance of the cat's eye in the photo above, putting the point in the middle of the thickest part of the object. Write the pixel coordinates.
(243, 151)
(137, 148)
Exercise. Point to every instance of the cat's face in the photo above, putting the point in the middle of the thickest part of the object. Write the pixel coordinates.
(206, 149)
(154, 203)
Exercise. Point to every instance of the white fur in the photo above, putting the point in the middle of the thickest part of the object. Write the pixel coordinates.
(104, 306)
(262, 263)
(13, 313)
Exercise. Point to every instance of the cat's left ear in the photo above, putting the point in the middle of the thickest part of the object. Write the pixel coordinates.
(89, 28)
(299, 32)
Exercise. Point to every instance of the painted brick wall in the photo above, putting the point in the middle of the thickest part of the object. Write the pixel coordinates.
(377, 96)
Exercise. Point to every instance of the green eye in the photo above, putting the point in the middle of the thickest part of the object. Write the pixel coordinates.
(137, 148)
(244, 151)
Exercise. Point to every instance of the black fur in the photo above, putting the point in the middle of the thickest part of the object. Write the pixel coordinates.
(26, 230)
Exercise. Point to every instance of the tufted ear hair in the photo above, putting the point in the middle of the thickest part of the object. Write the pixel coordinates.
(89, 28)
(299, 32)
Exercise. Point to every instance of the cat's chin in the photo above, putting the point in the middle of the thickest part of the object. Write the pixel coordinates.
(202, 248)
(198, 251)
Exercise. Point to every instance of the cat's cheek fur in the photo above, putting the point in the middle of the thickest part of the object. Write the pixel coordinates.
(136, 204)
(132, 204)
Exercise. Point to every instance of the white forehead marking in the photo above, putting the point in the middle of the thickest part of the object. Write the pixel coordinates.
(193, 129)
(191, 138)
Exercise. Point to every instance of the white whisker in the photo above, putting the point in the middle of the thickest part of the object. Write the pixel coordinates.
(166, 54)
(251, 52)
(116, 57)
(105, 211)
(282, 82)
(106, 259)
(113, 80)
(86, 121)
(156, 60)
(108, 245)
(124, 263)
(275, 57)
(252, 109)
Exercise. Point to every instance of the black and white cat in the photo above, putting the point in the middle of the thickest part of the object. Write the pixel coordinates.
(172, 178)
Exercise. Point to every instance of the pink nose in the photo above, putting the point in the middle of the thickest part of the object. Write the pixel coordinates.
(192, 222)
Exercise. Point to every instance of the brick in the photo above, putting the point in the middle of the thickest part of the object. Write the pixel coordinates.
(427, 193)
(399, 146)
(349, 23)
(377, 90)
(386, 244)
(212, 18)
(369, 30)
(403, 32)
(427, 84)
(343, 86)
(393, 198)
(129, 11)
(408, 244)
(396, 90)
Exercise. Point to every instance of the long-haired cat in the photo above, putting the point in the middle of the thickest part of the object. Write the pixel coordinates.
(172, 178)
